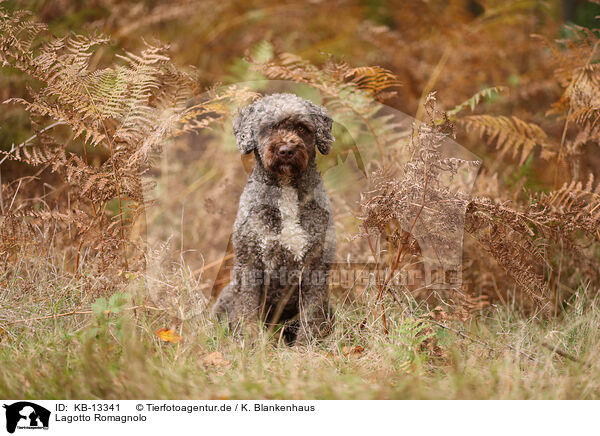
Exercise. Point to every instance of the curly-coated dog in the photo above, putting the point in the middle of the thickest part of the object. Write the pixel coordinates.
(284, 236)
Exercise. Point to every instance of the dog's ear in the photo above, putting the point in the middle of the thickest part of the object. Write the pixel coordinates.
(244, 129)
(322, 122)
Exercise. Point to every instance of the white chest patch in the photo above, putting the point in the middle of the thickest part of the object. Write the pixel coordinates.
(292, 236)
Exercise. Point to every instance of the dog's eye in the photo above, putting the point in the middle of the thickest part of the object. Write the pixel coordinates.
(300, 128)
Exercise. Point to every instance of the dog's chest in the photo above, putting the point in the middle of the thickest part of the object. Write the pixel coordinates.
(282, 224)
(291, 235)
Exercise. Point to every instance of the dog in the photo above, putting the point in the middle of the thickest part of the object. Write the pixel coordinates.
(284, 236)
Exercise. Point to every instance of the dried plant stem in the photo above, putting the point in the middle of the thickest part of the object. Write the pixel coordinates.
(559, 156)
(560, 352)
(76, 312)
(412, 226)
(379, 286)
(117, 179)
(483, 343)
(431, 82)
(77, 256)
(404, 242)
(213, 264)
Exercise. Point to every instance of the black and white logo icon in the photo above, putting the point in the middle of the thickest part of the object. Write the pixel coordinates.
(26, 415)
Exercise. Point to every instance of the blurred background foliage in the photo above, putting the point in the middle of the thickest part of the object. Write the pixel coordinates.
(455, 47)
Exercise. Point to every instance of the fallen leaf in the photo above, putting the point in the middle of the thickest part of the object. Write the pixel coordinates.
(215, 359)
(168, 335)
(355, 351)
(406, 367)
(438, 314)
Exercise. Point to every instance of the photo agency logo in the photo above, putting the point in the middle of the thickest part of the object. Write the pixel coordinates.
(397, 189)
(25, 415)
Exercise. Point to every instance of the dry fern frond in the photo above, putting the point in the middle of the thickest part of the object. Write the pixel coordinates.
(348, 92)
(374, 79)
(423, 202)
(577, 71)
(214, 108)
(129, 109)
(577, 204)
(505, 233)
(527, 240)
(510, 134)
(488, 93)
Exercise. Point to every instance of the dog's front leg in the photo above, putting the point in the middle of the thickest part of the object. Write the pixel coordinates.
(314, 307)
(240, 300)
(247, 298)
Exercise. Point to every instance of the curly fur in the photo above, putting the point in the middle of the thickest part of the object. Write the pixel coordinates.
(284, 237)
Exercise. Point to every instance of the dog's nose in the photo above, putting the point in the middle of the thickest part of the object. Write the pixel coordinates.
(286, 151)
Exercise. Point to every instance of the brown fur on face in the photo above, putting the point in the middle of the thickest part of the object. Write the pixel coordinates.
(287, 146)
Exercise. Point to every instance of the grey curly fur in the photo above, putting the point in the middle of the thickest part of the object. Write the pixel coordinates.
(284, 236)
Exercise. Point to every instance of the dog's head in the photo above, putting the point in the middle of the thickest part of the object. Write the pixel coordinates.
(284, 129)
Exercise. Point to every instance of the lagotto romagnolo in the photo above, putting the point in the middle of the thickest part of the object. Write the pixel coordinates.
(284, 236)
